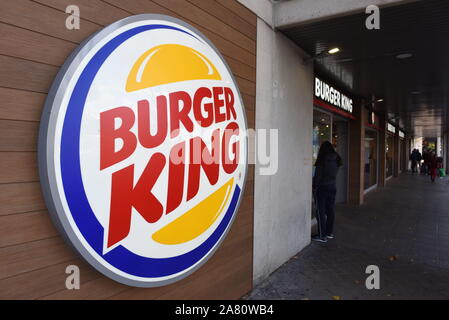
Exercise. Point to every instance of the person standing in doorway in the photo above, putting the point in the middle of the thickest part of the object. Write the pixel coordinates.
(325, 188)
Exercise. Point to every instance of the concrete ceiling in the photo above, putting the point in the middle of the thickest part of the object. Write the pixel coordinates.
(415, 90)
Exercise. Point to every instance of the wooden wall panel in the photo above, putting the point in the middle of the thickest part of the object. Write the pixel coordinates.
(20, 197)
(34, 43)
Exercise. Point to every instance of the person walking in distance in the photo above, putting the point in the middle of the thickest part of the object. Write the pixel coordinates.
(325, 188)
(414, 160)
(433, 166)
(418, 159)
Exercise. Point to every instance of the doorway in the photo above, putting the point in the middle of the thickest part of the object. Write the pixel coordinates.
(340, 142)
(328, 127)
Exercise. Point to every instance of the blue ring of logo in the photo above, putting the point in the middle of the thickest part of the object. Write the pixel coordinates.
(86, 221)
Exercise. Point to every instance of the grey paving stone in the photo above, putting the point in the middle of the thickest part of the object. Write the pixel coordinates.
(402, 228)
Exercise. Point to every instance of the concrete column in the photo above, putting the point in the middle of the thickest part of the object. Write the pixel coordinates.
(356, 156)
(382, 153)
(396, 152)
(407, 142)
(446, 151)
(282, 200)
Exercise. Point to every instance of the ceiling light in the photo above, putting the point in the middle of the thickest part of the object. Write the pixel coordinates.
(333, 50)
(380, 100)
(404, 55)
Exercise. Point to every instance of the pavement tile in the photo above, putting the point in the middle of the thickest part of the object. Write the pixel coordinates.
(406, 236)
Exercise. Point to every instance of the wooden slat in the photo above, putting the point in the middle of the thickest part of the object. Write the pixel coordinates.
(18, 167)
(20, 197)
(43, 281)
(219, 272)
(103, 288)
(21, 104)
(226, 47)
(25, 227)
(18, 135)
(32, 256)
(96, 289)
(95, 11)
(31, 45)
(40, 48)
(249, 101)
(34, 16)
(89, 8)
(250, 178)
(246, 86)
(26, 75)
(229, 260)
(240, 10)
(242, 70)
(193, 13)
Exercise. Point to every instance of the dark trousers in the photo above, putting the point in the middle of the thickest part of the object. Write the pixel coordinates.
(325, 200)
(414, 165)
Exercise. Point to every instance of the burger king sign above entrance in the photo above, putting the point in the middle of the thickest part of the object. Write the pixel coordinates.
(143, 150)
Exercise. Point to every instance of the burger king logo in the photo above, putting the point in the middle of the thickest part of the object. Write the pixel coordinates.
(142, 150)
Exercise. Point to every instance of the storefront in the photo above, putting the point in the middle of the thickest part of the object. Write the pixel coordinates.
(371, 154)
(402, 152)
(332, 111)
(389, 150)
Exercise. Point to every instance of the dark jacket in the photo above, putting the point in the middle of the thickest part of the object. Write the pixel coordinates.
(326, 171)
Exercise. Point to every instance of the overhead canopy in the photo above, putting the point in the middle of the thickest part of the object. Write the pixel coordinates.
(413, 90)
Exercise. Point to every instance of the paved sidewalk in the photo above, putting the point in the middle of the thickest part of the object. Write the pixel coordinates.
(402, 228)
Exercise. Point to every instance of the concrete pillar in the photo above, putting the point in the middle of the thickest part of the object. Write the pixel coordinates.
(396, 152)
(382, 154)
(407, 142)
(356, 156)
(446, 151)
(282, 200)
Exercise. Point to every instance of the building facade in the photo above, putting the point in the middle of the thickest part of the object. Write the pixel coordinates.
(279, 90)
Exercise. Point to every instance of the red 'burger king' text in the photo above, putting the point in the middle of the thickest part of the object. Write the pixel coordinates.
(209, 106)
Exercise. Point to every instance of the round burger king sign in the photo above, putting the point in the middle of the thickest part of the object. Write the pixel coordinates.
(143, 150)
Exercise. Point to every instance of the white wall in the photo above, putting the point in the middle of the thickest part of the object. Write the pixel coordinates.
(282, 201)
(293, 12)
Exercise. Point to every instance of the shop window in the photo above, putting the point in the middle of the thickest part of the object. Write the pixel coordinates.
(389, 149)
(321, 131)
(371, 152)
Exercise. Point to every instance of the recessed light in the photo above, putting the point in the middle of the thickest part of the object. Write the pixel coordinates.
(333, 50)
(404, 56)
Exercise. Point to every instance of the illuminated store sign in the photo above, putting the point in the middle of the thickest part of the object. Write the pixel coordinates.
(391, 128)
(142, 150)
(332, 96)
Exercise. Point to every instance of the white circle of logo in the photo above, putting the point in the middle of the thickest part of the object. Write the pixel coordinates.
(143, 150)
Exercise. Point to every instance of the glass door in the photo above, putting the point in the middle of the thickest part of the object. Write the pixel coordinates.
(340, 143)
(371, 155)
(327, 127)
(322, 127)
(389, 155)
